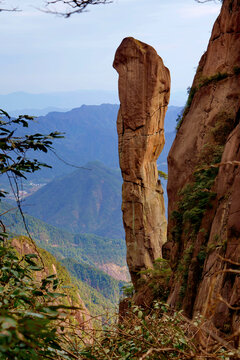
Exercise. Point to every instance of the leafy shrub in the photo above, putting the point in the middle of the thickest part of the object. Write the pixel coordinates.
(158, 278)
(158, 333)
(162, 174)
(29, 317)
(204, 81)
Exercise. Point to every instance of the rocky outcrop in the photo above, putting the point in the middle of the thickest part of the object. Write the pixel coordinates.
(144, 85)
(204, 184)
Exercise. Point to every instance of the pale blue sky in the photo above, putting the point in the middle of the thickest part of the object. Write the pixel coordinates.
(44, 53)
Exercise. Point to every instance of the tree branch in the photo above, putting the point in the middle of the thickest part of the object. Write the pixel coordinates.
(71, 6)
(7, 9)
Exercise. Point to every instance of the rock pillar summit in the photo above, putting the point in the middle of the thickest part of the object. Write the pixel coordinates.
(144, 89)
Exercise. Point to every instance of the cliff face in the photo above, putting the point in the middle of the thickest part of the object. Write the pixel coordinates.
(144, 85)
(204, 184)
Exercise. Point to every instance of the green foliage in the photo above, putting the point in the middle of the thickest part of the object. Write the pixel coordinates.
(30, 313)
(128, 290)
(158, 278)
(162, 175)
(236, 70)
(14, 149)
(224, 124)
(202, 255)
(183, 269)
(89, 250)
(195, 199)
(97, 279)
(196, 196)
(28, 316)
(191, 92)
(158, 333)
(204, 81)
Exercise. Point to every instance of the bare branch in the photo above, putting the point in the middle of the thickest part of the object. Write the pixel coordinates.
(204, 1)
(67, 8)
(7, 9)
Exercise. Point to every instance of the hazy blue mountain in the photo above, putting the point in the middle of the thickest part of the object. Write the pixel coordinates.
(67, 99)
(70, 99)
(36, 112)
(170, 118)
(85, 201)
(90, 134)
(178, 98)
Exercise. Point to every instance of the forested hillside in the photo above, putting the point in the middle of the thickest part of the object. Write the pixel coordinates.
(85, 201)
(85, 251)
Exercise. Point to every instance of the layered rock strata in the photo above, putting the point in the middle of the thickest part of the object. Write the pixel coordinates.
(144, 86)
(204, 184)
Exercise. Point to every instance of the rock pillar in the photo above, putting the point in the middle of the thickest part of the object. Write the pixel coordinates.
(144, 87)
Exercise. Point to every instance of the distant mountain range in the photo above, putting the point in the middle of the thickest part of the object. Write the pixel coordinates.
(84, 204)
(36, 112)
(64, 99)
(86, 201)
(90, 134)
(24, 101)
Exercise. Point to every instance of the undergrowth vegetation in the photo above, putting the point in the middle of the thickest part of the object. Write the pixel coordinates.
(196, 198)
(157, 278)
(157, 333)
(29, 318)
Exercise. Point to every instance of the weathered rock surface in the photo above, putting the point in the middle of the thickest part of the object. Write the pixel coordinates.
(204, 231)
(144, 85)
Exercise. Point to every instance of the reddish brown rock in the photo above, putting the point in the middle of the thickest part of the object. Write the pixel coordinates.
(144, 85)
(210, 133)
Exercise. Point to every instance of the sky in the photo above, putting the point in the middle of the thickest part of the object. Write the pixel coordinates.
(42, 53)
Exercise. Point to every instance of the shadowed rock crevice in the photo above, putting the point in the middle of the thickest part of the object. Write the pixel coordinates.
(144, 86)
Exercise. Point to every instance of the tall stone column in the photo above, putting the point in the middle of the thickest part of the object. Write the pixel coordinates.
(144, 89)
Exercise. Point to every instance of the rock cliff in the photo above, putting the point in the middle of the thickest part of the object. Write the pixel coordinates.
(204, 184)
(144, 85)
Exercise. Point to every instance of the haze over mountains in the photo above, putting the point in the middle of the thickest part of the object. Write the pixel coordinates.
(77, 215)
(37, 104)
(89, 135)
(81, 200)
(64, 99)
(85, 201)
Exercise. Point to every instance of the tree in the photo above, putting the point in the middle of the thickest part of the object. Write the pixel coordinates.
(14, 149)
(29, 318)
